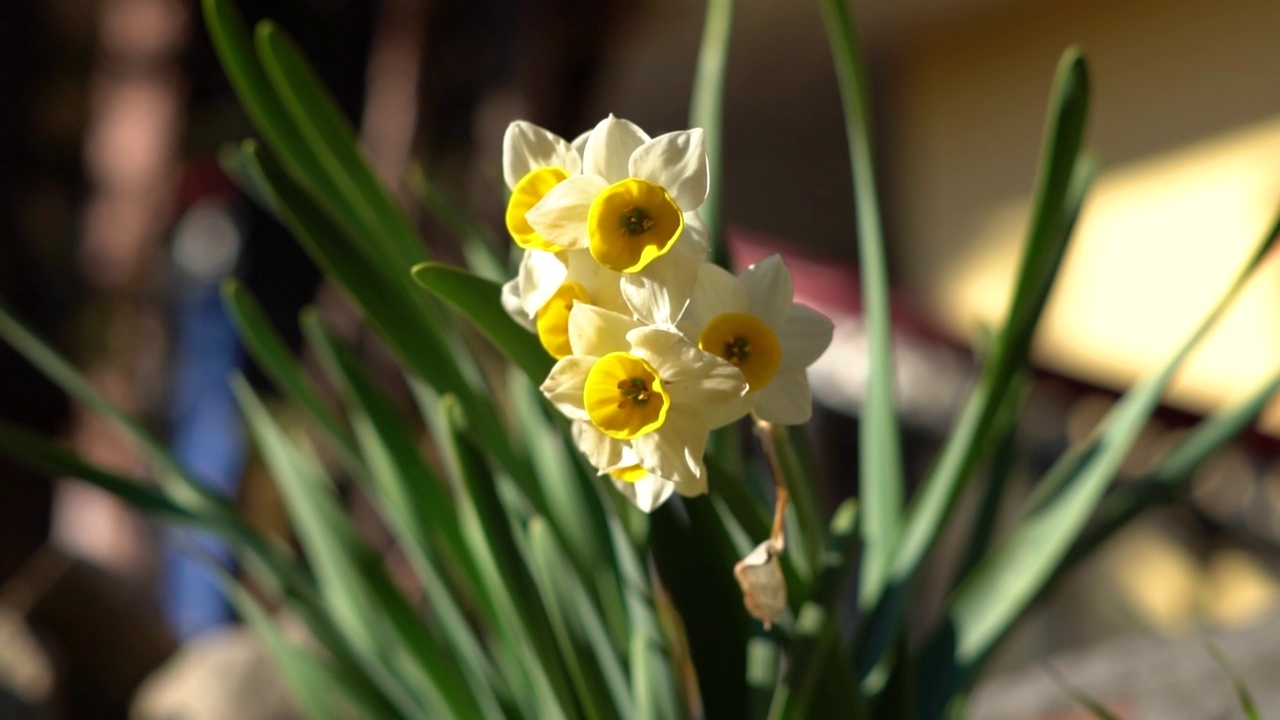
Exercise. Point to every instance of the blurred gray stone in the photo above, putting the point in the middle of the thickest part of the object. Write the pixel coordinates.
(225, 674)
(1146, 678)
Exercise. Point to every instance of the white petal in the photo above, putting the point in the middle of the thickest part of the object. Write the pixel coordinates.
(692, 377)
(675, 450)
(658, 293)
(527, 147)
(564, 385)
(720, 414)
(561, 215)
(786, 400)
(648, 493)
(597, 332)
(696, 235)
(601, 451)
(610, 147)
(678, 162)
(580, 143)
(769, 291)
(804, 337)
(717, 291)
(511, 303)
(601, 283)
(540, 276)
(693, 489)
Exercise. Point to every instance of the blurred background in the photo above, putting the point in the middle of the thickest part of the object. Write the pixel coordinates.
(117, 226)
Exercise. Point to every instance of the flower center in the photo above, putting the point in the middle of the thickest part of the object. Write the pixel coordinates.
(631, 223)
(553, 318)
(747, 342)
(624, 396)
(636, 221)
(527, 193)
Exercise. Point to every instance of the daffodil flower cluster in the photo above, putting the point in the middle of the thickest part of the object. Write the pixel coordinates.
(655, 347)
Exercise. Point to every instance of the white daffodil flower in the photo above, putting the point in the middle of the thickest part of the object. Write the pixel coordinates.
(547, 287)
(534, 160)
(752, 322)
(639, 396)
(633, 206)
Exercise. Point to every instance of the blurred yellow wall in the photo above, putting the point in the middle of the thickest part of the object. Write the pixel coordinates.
(1185, 120)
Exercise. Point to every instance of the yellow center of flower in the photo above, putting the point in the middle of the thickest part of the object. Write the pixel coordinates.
(553, 319)
(631, 473)
(624, 396)
(527, 193)
(744, 340)
(632, 223)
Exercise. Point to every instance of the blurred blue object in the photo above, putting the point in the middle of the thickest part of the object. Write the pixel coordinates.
(207, 438)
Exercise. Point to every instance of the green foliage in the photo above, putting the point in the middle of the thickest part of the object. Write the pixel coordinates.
(535, 591)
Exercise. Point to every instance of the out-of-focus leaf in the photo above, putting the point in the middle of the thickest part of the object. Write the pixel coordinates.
(706, 111)
(273, 356)
(1001, 586)
(480, 301)
(815, 630)
(486, 528)
(176, 481)
(559, 585)
(695, 555)
(880, 453)
(574, 508)
(1093, 706)
(1062, 183)
(329, 139)
(477, 240)
(653, 685)
(1174, 471)
(353, 583)
(321, 691)
(413, 500)
(42, 455)
(1247, 705)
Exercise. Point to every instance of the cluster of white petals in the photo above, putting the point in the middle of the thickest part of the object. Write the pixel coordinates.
(655, 347)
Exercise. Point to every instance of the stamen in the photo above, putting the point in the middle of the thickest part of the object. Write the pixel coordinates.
(634, 391)
(737, 349)
(636, 221)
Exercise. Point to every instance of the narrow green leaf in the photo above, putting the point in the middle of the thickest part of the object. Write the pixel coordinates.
(1062, 183)
(764, 656)
(574, 508)
(816, 627)
(1247, 705)
(1093, 706)
(330, 140)
(706, 110)
(487, 530)
(709, 601)
(353, 583)
(1172, 474)
(175, 480)
(880, 453)
(1000, 588)
(388, 307)
(480, 301)
(415, 504)
(478, 241)
(45, 456)
(318, 688)
(271, 354)
(557, 583)
(1004, 438)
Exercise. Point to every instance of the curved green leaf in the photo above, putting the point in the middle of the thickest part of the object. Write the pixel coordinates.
(480, 301)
